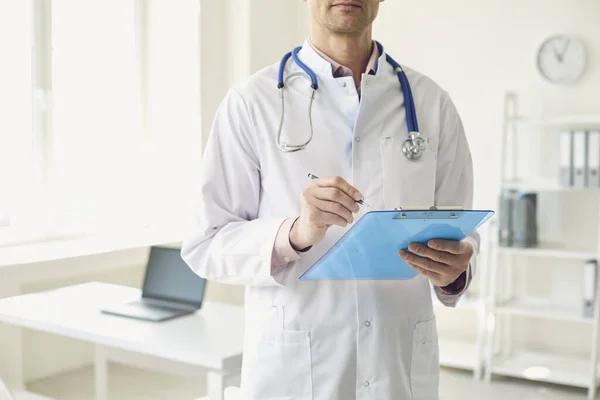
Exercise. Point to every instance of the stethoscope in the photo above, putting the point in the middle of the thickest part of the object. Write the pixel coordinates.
(412, 148)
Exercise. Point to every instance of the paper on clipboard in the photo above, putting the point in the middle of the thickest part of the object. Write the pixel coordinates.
(369, 250)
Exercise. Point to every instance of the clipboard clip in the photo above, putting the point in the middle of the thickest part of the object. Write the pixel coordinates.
(452, 212)
(431, 208)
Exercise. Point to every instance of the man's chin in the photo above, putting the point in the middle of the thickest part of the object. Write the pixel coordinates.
(346, 24)
(347, 28)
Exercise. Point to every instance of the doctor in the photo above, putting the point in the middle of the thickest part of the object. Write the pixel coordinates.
(263, 222)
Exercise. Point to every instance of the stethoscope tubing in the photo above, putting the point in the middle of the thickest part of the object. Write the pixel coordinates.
(412, 151)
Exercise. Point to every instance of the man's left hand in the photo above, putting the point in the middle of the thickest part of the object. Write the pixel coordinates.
(442, 261)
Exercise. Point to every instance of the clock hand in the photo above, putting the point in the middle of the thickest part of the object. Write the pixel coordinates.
(557, 54)
(562, 56)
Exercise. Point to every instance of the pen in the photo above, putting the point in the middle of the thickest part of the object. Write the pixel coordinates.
(312, 176)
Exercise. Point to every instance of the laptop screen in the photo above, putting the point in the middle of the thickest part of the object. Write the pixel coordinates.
(168, 277)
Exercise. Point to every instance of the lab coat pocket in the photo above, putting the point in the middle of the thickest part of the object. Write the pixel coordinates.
(281, 367)
(425, 368)
(407, 182)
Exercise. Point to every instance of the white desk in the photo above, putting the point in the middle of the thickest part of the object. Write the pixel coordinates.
(66, 258)
(210, 340)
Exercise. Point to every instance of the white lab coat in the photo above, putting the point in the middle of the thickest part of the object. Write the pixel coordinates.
(326, 340)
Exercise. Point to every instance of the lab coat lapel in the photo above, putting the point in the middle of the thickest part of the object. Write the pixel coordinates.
(314, 61)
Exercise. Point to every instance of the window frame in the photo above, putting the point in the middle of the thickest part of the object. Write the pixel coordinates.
(37, 227)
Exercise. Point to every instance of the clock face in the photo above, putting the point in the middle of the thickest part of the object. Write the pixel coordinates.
(562, 59)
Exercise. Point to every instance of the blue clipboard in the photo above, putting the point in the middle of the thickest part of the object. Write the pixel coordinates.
(369, 249)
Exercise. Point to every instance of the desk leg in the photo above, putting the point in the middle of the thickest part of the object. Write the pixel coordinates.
(11, 340)
(215, 385)
(101, 372)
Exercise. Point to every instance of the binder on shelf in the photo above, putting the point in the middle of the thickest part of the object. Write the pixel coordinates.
(579, 159)
(505, 211)
(590, 270)
(566, 159)
(524, 220)
(593, 157)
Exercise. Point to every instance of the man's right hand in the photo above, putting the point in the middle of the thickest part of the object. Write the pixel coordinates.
(325, 202)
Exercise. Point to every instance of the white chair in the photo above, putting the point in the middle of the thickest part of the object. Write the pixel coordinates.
(24, 395)
(6, 394)
(233, 393)
(230, 393)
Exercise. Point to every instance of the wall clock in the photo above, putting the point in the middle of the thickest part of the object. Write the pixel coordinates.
(562, 59)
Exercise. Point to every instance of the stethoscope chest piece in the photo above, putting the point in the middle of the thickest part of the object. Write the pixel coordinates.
(414, 147)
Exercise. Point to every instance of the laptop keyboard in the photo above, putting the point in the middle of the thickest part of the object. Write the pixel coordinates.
(146, 306)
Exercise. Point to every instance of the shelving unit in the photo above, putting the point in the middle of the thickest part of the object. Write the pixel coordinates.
(541, 308)
(504, 304)
(559, 369)
(540, 184)
(577, 121)
(551, 250)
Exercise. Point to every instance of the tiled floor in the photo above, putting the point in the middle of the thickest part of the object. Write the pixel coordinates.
(133, 384)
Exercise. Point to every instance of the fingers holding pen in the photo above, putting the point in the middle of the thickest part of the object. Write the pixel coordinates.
(335, 195)
(325, 202)
(341, 184)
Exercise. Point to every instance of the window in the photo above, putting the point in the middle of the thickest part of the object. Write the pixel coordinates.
(113, 140)
(16, 110)
(174, 106)
(96, 148)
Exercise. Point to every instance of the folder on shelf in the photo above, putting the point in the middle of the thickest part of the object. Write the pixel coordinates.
(593, 167)
(589, 287)
(579, 159)
(566, 159)
(369, 249)
(505, 218)
(524, 220)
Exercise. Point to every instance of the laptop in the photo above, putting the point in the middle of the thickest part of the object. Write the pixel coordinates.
(171, 289)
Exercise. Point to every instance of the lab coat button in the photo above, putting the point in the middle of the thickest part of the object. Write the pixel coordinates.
(343, 84)
(367, 323)
(357, 139)
(366, 383)
(286, 259)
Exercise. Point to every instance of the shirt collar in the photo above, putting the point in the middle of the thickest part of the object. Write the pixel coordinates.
(339, 70)
(322, 67)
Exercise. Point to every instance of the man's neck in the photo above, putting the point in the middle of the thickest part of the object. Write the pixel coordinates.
(353, 52)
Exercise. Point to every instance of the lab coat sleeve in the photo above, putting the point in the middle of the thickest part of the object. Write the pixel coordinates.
(230, 243)
(454, 183)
